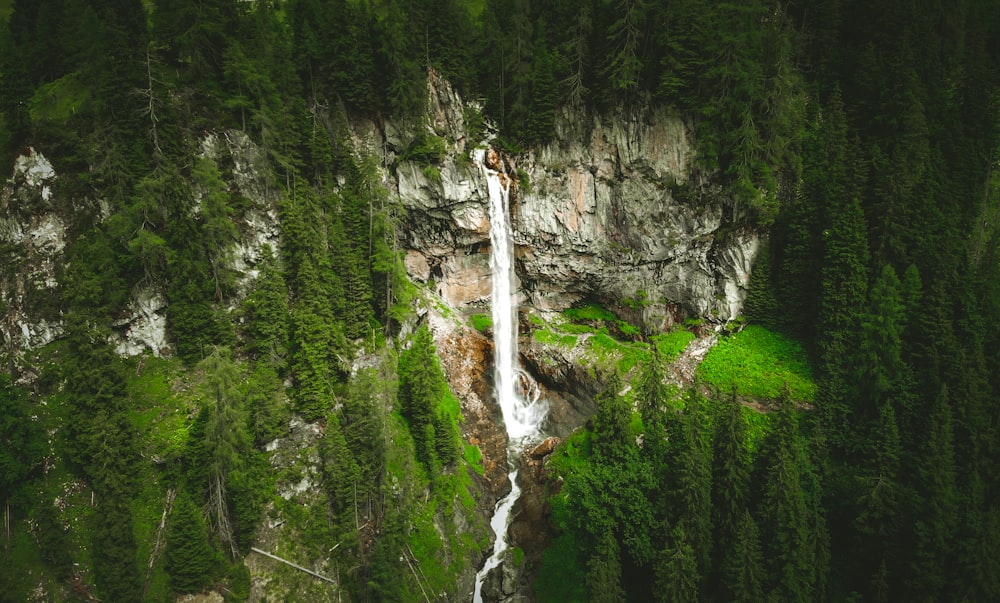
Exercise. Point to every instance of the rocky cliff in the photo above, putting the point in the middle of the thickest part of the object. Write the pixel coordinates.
(612, 210)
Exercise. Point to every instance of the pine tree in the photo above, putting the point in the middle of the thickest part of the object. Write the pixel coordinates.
(611, 436)
(881, 362)
(267, 313)
(189, 556)
(114, 552)
(784, 511)
(226, 442)
(936, 507)
(421, 389)
(604, 572)
(676, 577)
(743, 565)
(730, 479)
(21, 443)
(691, 473)
(340, 470)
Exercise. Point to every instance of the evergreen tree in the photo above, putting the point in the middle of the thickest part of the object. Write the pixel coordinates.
(730, 481)
(676, 576)
(611, 437)
(340, 470)
(743, 565)
(784, 511)
(226, 442)
(114, 551)
(21, 443)
(267, 313)
(691, 477)
(422, 387)
(936, 507)
(881, 362)
(604, 572)
(190, 559)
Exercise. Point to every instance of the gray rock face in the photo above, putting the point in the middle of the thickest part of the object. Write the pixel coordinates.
(33, 236)
(609, 211)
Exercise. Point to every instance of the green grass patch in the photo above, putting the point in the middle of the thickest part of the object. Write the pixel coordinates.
(672, 344)
(474, 457)
(59, 100)
(574, 328)
(628, 329)
(157, 412)
(593, 312)
(547, 337)
(759, 363)
(625, 356)
(481, 322)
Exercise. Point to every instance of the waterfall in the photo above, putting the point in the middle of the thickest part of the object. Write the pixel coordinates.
(516, 393)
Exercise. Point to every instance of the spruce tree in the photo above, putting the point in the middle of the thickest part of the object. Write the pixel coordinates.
(189, 556)
(676, 577)
(730, 479)
(604, 572)
(742, 575)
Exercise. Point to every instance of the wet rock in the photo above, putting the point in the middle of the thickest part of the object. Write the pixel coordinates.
(544, 449)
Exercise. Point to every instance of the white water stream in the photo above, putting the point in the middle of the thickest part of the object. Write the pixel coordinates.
(516, 392)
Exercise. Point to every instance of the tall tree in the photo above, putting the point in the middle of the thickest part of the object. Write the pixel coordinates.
(226, 441)
(189, 555)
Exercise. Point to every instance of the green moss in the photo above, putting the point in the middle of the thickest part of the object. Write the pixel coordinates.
(481, 322)
(593, 312)
(548, 337)
(612, 353)
(517, 553)
(759, 363)
(474, 457)
(672, 344)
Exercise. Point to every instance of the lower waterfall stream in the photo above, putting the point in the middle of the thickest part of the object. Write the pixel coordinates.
(516, 393)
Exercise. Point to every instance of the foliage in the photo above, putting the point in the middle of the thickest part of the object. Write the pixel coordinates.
(759, 363)
(865, 133)
(190, 559)
(21, 442)
(481, 322)
(423, 393)
(670, 345)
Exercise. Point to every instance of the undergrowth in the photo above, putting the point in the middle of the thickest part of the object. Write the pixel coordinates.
(759, 364)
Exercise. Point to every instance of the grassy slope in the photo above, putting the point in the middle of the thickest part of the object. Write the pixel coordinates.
(759, 363)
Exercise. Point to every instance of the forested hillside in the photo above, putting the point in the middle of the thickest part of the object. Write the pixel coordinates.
(859, 138)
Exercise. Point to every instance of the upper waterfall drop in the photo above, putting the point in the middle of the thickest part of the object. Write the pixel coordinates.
(522, 407)
(522, 412)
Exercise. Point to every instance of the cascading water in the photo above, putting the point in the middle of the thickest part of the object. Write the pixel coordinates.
(518, 397)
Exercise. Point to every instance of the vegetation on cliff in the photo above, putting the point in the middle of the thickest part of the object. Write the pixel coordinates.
(865, 134)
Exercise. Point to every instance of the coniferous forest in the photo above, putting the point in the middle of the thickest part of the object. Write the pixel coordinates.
(861, 136)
